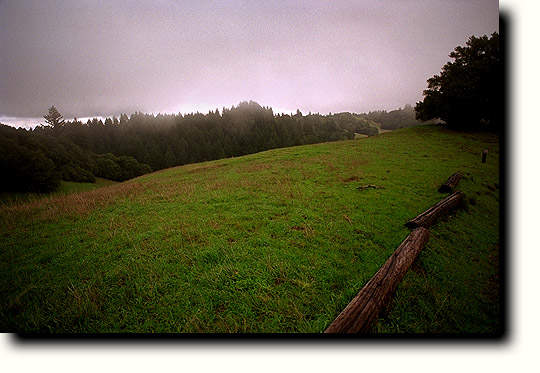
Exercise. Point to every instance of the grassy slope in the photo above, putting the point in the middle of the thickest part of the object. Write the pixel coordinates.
(278, 241)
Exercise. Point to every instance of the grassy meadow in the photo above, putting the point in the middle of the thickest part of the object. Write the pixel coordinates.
(274, 242)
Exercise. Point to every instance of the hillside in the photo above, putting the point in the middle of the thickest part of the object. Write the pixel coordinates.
(277, 241)
(38, 160)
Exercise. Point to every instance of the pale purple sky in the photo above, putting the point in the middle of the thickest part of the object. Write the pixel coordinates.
(103, 58)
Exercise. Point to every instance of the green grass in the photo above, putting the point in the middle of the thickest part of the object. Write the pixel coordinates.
(278, 241)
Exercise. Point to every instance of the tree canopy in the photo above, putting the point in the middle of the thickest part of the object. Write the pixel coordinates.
(468, 93)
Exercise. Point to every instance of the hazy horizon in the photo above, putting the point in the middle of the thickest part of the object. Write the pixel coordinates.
(103, 58)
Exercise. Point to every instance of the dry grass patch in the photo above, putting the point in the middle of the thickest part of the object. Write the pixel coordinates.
(73, 205)
(205, 167)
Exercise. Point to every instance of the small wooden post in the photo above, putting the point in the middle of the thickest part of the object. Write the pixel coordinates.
(484, 156)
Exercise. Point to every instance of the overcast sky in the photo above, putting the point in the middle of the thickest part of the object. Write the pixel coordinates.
(103, 58)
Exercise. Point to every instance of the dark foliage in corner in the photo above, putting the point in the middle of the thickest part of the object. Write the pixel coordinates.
(468, 94)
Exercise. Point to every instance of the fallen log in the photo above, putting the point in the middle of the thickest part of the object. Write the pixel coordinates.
(443, 207)
(451, 183)
(360, 313)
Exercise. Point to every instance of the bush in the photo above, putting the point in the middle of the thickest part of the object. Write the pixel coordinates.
(26, 170)
(120, 168)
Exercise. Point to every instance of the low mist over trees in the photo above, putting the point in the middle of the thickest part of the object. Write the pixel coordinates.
(468, 94)
(395, 119)
(126, 147)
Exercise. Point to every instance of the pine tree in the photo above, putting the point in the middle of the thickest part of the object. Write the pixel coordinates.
(54, 118)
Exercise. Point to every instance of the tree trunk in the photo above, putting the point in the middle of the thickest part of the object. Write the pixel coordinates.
(451, 183)
(359, 314)
(428, 217)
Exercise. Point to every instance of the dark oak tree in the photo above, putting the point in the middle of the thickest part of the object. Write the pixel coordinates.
(468, 93)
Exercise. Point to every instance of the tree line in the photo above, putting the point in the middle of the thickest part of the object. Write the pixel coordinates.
(396, 119)
(37, 160)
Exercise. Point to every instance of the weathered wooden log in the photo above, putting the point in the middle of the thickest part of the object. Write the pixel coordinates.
(443, 207)
(451, 183)
(360, 313)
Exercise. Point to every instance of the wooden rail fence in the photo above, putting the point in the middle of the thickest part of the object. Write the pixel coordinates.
(365, 307)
